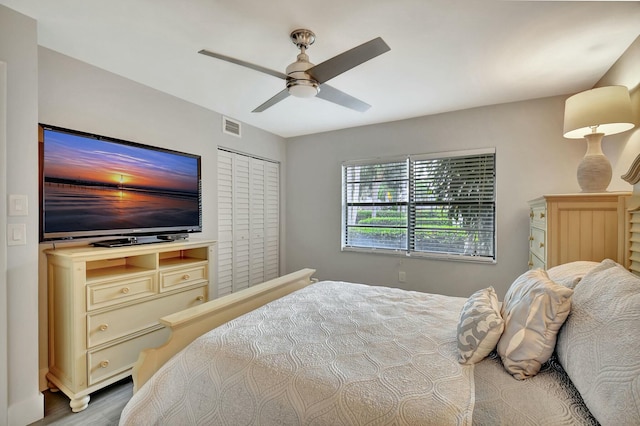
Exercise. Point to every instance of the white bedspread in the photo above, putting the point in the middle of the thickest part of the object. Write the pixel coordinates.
(333, 353)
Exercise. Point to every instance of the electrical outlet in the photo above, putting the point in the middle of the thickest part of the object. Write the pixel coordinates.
(402, 276)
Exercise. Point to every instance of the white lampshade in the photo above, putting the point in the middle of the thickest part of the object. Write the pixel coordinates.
(606, 108)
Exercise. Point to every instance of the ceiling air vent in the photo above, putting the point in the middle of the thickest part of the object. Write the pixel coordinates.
(231, 127)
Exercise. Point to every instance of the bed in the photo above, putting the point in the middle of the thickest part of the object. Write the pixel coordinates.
(563, 347)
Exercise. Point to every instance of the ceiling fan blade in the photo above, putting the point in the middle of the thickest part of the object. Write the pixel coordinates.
(336, 96)
(274, 100)
(243, 64)
(345, 61)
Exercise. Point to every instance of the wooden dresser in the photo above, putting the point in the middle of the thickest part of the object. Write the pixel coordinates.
(569, 227)
(104, 305)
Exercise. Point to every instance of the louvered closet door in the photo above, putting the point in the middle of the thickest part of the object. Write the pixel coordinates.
(241, 217)
(249, 221)
(257, 208)
(272, 221)
(225, 222)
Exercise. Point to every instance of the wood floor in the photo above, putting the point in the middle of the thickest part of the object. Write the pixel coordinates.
(104, 408)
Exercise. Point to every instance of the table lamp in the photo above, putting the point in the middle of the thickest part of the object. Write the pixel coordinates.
(591, 115)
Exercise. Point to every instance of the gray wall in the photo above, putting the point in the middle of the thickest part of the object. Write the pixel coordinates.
(625, 72)
(532, 159)
(22, 401)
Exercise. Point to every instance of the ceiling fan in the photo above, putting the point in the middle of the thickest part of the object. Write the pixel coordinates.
(306, 80)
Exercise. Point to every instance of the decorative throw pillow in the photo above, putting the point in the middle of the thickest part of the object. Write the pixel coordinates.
(599, 346)
(570, 274)
(534, 309)
(479, 327)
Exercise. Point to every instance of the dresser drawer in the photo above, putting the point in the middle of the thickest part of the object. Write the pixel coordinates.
(108, 293)
(535, 262)
(115, 359)
(538, 216)
(106, 326)
(182, 277)
(537, 242)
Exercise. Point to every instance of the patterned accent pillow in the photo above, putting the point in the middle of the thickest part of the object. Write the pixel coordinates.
(599, 346)
(534, 309)
(570, 274)
(479, 327)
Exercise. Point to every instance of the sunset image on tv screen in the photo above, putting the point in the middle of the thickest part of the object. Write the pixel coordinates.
(93, 184)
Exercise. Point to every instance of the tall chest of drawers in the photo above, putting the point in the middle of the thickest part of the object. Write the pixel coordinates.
(569, 227)
(104, 305)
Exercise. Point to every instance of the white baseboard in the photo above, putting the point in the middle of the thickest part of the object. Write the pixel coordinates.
(27, 411)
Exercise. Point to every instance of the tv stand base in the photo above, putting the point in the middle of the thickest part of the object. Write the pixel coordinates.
(148, 239)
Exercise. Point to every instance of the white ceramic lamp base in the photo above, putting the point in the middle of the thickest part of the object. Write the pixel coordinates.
(594, 171)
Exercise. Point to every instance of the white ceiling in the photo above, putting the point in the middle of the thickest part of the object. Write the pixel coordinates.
(445, 54)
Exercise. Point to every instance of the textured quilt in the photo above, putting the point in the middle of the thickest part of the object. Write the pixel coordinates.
(548, 398)
(333, 353)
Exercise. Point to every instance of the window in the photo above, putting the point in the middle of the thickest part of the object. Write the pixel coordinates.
(422, 205)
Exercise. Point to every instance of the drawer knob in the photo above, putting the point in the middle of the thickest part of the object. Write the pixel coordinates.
(541, 245)
(541, 215)
(200, 298)
(125, 290)
(531, 238)
(103, 327)
(104, 364)
(186, 277)
(531, 214)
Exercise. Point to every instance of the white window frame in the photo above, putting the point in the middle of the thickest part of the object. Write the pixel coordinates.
(409, 248)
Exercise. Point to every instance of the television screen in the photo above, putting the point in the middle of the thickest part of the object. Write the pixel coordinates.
(95, 186)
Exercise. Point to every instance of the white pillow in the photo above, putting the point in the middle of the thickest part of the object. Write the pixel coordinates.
(570, 274)
(534, 309)
(599, 346)
(479, 327)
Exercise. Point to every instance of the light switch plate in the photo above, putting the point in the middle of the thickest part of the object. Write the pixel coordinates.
(18, 205)
(16, 234)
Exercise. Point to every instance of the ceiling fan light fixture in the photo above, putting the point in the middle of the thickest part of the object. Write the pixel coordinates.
(303, 88)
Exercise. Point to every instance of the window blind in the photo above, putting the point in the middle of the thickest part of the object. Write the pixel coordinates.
(442, 204)
(376, 205)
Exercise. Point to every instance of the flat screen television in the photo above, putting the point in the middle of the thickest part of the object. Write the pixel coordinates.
(97, 186)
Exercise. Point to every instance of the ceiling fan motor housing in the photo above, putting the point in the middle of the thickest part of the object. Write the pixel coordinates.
(299, 83)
